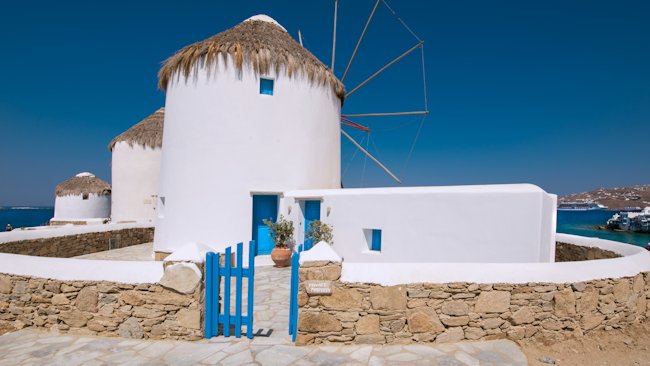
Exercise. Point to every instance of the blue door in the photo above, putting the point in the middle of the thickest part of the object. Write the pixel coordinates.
(265, 207)
(312, 212)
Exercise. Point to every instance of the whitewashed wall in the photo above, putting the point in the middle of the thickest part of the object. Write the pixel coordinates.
(39, 232)
(481, 224)
(223, 141)
(635, 260)
(135, 174)
(75, 208)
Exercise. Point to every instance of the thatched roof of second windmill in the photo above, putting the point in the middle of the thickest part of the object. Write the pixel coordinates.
(263, 43)
(83, 183)
(148, 132)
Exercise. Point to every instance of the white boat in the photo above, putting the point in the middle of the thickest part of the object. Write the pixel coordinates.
(580, 206)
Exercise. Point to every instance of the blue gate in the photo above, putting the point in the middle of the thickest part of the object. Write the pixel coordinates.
(218, 313)
(293, 294)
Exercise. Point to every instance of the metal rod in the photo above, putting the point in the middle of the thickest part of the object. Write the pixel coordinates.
(359, 41)
(385, 114)
(370, 156)
(336, 10)
(385, 67)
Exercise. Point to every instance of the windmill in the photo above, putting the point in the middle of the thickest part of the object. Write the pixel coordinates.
(347, 118)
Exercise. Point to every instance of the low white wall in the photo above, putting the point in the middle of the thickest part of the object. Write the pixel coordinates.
(40, 232)
(81, 269)
(75, 208)
(479, 224)
(135, 171)
(636, 260)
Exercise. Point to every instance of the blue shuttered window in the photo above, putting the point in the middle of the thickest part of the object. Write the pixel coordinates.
(376, 240)
(266, 86)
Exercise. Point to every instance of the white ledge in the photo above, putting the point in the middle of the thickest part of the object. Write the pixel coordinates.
(635, 260)
(70, 269)
(42, 232)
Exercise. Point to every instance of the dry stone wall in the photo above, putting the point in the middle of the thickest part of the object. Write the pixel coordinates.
(565, 252)
(100, 308)
(80, 244)
(421, 313)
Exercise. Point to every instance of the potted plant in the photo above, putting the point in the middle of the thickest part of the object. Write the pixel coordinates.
(282, 235)
(319, 231)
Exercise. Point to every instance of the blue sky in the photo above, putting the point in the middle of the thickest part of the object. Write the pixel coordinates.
(555, 93)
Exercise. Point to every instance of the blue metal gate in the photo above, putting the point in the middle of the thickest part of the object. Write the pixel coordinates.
(217, 312)
(293, 294)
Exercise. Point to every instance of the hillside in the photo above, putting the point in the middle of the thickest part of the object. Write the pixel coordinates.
(614, 198)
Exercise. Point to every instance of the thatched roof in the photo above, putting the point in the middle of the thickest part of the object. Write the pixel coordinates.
(148, 132)
(262, 43)
(83, 183)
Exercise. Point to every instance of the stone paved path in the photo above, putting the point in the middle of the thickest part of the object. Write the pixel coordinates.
(32, 347)
(140, 252)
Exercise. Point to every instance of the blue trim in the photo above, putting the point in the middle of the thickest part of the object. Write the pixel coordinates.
(293, 294)
(251, 286)
(214, 272)
(376, 240)
(312, 213)
(264, 207)
(266, 86)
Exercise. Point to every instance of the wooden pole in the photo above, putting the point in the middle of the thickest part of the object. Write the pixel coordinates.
(359, 41)
(371, 157)
(336, 10)
(386, 114)
(384, 68)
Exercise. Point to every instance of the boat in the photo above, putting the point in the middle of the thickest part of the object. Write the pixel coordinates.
(632, 209)
(580, 206)
(631, 221)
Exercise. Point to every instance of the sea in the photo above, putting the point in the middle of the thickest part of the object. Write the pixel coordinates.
(25, 216)
(570, 222)
(584, 223)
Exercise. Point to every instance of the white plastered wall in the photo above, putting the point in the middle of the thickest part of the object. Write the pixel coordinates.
(135, 175)
(480, 224)
(224, 141)
(75, 208)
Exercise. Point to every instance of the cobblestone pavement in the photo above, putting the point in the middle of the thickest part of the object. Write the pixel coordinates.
(272, 345)
(32, 347)
(140, 252)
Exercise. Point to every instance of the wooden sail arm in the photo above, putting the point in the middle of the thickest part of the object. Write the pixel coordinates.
(371, 157)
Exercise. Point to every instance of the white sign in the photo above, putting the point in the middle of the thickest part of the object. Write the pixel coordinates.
(318, 287)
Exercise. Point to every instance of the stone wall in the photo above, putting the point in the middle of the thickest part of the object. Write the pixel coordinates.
(420, 313)
(565, 252)
(80, 244)
(100, 308)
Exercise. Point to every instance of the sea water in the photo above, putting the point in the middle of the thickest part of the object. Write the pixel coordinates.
(584, 223)
(25, 216)
(581, 223)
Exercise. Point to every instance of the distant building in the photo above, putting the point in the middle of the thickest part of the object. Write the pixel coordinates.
(135, 170)
(82, 199)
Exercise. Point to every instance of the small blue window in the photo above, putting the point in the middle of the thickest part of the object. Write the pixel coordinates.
(376, 240)
(266, 86)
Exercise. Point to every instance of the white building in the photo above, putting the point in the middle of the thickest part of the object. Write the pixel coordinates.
(82, 199)
(252, 132)
(135, 170)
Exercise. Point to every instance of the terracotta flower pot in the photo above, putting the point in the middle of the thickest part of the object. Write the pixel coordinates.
(281, 257)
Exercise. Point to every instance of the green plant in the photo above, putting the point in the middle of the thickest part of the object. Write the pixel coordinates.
(320, 231)
(281, 232)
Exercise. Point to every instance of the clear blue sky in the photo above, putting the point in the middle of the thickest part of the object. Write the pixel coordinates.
(555, 93)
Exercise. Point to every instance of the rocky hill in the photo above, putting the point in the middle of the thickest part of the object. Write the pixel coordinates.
(615, 198)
